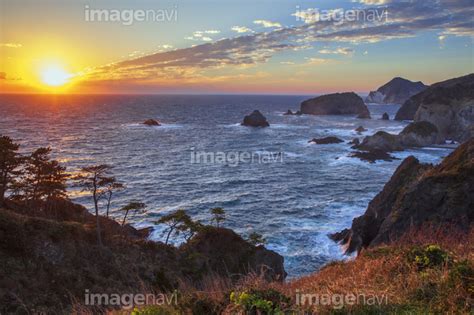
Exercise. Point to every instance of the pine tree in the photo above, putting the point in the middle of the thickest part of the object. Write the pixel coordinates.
(44, 178)
(95, 179)
(10, 162)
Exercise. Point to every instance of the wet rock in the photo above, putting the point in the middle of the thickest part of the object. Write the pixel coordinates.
(354, 141)
(326, 140)
(255, 119)
(151, 122)
(372, 156)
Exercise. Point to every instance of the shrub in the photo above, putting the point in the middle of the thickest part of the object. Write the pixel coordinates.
(153, 310)
(462, 272)
(429, 257)
(267, 301)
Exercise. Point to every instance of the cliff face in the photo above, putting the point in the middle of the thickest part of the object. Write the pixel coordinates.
(336, 104)
(397, 91)
(417, 194)
(449, 105)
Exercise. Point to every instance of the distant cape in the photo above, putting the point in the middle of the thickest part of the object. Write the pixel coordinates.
(397, 91)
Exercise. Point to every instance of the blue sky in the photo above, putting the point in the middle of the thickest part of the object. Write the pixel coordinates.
(236, 46)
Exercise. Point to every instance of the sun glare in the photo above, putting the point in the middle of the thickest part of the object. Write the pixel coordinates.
(55, 76)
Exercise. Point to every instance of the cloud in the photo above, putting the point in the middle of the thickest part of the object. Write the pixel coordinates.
(406, 19)
(266, 23)
(337, 51)
(201, 35)
(373, 2)
(241, 29)
(11, 45)
(287, 62)
(317, 61)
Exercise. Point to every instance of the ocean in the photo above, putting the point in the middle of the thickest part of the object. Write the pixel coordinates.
(294, 198)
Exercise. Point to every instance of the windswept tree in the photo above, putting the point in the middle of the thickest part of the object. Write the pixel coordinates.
(111, 185)
(10, 161)
(94, 179)
(43, 178)
(177, 222)
(218, 216)
(134, 207)
(190, 228)
(256, 239)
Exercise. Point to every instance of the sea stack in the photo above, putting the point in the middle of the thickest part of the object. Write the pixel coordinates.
(255, 119)
(151, 122)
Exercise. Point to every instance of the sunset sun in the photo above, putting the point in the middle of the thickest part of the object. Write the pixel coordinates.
(55, 76)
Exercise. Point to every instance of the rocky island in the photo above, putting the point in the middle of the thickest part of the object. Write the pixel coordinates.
(348, 103)
(255, 119)
(397, 91)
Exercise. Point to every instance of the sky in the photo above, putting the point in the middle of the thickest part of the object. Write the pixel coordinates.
(229, 46)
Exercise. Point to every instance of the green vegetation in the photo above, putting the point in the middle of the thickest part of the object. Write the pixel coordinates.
(133, 206)
(10, 162)
(218, 215)
(95, 180)
(177, 222)
(429, 257)
(255, 301)
(256, 239)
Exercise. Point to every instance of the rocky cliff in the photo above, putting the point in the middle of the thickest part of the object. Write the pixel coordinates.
(417, 194)
(397, 91)
(336, 104)
(449, 105)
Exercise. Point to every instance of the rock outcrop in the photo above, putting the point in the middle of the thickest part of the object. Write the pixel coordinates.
(380, 141)
(151, 122)
(417, 194)
(397, 91)
(336, 104)
(225, 252)
(372, 156)
(449, 105)
(255, 119)
(326, 140)
(416, 134)
(360, 129)
(385, 116)
(354, 141)
(420, 134)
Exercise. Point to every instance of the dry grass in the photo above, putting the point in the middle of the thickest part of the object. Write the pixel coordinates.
(386, 270)
(383, 271)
